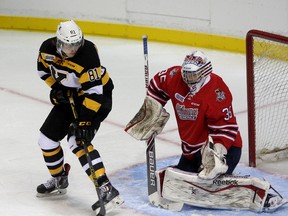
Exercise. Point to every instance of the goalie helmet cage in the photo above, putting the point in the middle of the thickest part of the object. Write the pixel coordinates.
(267, 96)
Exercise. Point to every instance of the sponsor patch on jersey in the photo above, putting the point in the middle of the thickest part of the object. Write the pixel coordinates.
(195, 104)
(220, 95)
(48, 57)
(179, 97)
(186, 113)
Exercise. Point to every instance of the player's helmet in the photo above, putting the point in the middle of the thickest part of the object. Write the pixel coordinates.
(195, 67)
(69, 38)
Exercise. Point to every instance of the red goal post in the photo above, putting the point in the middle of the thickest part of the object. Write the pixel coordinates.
(267, 96)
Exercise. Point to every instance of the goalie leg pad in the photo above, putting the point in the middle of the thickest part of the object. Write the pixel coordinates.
(226, 192)
(156, 198)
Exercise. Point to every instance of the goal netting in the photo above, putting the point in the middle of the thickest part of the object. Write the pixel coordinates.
(267, 93)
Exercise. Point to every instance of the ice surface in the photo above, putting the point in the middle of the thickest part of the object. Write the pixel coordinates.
(25, 104)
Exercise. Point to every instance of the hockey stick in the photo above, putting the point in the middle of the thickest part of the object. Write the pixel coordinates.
(150, 151)
(102, 211)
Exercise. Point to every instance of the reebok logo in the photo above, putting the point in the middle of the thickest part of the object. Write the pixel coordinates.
(225, 182)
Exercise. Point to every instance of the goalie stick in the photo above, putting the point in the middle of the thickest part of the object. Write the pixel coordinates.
(102, 211)
(150, 151)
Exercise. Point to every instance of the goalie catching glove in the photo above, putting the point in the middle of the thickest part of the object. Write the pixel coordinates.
(213, 161)
(150, 119)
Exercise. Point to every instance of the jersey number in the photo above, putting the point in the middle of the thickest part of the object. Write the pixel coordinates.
(93, 74)
(228, 113)
(162, 75)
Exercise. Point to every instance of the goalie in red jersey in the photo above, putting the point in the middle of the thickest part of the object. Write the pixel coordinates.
(203, 108)
(210, 140)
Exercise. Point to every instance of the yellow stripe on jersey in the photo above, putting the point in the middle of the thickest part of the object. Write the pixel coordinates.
(105, 78)
(71, 65)
(84, 78)
(98, 71)
(41, 59)
(91, 104)
(91, 75)
(50, 81)
(59, 61)
(52, 153)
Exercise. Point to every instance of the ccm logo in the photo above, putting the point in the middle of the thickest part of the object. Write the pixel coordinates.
(84, 123)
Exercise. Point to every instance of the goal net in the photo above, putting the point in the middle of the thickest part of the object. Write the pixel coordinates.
(267, 93)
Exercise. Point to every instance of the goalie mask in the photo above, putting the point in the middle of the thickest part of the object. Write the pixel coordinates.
(195, 67)
(69, 38)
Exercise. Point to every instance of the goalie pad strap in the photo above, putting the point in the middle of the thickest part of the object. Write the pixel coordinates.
(150, 119)
(226, 192)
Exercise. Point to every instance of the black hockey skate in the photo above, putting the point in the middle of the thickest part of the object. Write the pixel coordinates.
(110, 197)
(55, 185)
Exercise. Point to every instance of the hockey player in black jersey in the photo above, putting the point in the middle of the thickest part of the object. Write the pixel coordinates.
(70, 65)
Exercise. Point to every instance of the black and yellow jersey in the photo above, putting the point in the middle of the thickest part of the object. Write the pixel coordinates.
(82, 72)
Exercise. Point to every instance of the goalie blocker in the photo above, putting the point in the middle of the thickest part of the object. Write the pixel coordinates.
(150, 119)
(225, 192)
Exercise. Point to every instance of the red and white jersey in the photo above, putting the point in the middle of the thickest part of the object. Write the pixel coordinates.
(209, 112)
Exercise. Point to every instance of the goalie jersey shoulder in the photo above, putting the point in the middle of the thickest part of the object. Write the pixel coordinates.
(164, 83)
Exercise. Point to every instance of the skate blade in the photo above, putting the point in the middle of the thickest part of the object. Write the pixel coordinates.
(58, 192)
(113, 204)
(274, 208)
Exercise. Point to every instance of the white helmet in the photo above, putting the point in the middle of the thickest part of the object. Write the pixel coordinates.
(69, 38)
(195, 67)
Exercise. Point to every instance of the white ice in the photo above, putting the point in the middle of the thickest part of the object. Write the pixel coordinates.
(25, 105)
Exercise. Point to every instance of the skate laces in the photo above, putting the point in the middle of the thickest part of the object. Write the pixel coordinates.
(56, 182)
(51, 183)
(105, 189)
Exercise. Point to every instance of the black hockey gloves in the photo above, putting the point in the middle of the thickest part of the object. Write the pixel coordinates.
(84, 132)
(59, 96)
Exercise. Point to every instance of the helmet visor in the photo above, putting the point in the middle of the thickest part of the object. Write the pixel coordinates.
(70, 49)
(192, 76)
